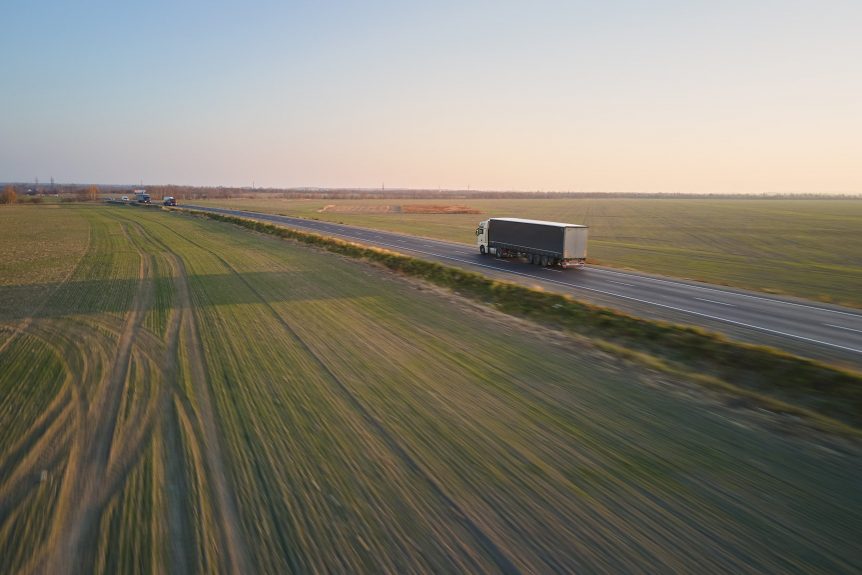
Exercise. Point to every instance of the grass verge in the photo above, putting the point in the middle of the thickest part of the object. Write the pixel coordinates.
(828, 397)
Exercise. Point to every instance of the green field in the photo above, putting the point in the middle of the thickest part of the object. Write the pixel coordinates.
(181, 395)
(806, 248)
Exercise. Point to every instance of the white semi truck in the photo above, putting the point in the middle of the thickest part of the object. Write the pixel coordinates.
(542, 243)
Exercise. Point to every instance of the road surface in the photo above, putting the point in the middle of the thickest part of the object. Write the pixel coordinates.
(820, 331)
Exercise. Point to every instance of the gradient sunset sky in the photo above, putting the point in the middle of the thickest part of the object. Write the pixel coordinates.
(754, 96)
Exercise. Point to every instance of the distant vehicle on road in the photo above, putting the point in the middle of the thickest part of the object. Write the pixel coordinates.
(124, 199)
(142, 197)
(543, 243)
(170, 201)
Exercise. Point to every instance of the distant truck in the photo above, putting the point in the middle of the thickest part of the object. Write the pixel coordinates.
(170, 201)
(142, 197)
(542, 243)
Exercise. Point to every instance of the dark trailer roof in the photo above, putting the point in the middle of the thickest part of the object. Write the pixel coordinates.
(541, 222)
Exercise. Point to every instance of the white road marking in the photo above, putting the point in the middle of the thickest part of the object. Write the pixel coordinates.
(713, 301)
(708, 316)
(621, 283)
(842, 327)
(737, 294)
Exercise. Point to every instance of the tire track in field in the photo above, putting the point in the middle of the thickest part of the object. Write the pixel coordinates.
(39, 432)
(97, 442)
(180, 531)
(74, 534)
(127, 446)
(496, 553)
(50, 445)
(43, 442)
(179, 528)
(57, 443)
(32, 454)
(49, 452)
(231, 538)
(226, 510)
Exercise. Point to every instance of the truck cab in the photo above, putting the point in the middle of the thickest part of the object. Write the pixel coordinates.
(482, 237)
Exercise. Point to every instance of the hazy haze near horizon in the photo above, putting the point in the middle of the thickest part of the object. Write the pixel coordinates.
(619, 96)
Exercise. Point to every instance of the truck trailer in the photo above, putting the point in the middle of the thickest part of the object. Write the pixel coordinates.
(542, 243)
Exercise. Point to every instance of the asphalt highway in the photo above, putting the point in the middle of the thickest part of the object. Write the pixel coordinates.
(820, 331)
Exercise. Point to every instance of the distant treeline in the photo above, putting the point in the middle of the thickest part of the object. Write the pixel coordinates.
(204, 192)
(30, 193)
(189, 192)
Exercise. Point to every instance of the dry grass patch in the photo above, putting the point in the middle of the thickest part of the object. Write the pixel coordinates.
(437, 209)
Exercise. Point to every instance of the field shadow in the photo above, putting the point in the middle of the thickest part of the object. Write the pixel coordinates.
(116, 296)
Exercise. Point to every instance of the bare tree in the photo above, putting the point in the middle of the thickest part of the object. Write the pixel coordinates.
(89, 194)
(9, 195)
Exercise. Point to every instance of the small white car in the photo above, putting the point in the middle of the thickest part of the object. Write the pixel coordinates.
(125, 198)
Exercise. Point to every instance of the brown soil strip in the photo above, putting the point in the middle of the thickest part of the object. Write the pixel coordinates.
(226, 510)
(354, 209)
(180, 530)
(438, 209)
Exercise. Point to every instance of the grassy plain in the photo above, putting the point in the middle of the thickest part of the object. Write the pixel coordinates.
(183, 396)
(828, 397)
(806, 248)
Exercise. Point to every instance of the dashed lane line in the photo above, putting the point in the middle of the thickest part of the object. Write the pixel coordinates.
(842, 327)
(713, 301)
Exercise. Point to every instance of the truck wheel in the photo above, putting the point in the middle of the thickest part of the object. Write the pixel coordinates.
(482, 250)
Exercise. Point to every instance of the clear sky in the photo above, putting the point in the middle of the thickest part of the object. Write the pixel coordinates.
(717, 96)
